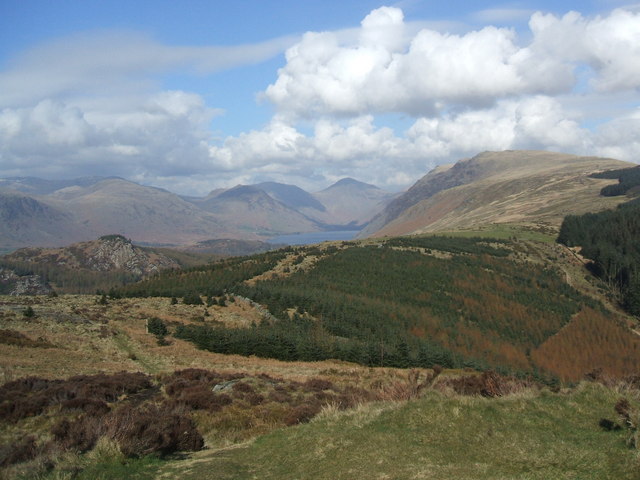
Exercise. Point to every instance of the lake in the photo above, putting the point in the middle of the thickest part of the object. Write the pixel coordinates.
(314, 237)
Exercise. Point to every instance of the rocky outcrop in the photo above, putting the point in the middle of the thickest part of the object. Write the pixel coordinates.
(115, 252)
(107, 254)
(13, 284)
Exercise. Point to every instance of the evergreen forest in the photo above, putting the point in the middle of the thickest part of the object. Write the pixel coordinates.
(611, 239)
(404, 302)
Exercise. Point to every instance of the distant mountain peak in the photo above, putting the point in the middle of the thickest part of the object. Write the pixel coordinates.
(241, 191)
(290, 195)
(350, 182)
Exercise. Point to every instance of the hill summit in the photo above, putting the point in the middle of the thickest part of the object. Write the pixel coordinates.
(106, 254)
(531, 187)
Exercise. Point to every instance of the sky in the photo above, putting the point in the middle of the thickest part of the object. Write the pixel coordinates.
(196, 95)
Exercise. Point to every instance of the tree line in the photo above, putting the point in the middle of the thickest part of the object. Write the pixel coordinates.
(611, 239)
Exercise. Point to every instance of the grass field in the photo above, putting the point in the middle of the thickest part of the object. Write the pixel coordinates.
(527, 435)
(506, 231)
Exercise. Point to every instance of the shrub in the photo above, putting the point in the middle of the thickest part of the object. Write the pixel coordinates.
(302, 413)
(90, 406)
(318, 384)
(157, 327)
(631, 418)
(31, 396)
(80, 434)
(19, 451)
(192, 299)
(243, 387)
(489, 384)
(138, 431)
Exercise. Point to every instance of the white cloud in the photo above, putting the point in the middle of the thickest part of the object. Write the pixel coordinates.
(92, 104)
(115, 62)
(89, 104)
(161, 134)
(385, 70)
(609, 45)
(379, 75)
(620, 138)
(360, 149)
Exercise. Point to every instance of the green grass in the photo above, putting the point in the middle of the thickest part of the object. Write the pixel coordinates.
(505, 232)
(548, 436)
(132, 469)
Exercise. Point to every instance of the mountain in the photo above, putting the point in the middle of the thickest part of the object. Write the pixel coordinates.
(498, 187)
(350, 202)
(50, 213)
(347, 203)
(39, 186)
(292, 196)
(25, 220)
(14, 284)
(144, 214)
(249, 209)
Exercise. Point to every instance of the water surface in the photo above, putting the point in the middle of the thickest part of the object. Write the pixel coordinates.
(314, 237)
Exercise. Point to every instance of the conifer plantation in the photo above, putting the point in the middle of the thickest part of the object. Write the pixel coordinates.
(611, 239)
(407, 302)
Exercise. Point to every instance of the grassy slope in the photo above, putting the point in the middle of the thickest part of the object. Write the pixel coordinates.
(509, 187)
(545, 436)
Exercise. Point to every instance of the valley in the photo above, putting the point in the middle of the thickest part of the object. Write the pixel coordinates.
(473, 346)
(39, 213)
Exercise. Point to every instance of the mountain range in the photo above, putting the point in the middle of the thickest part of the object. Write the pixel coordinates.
(525, 187)
(37, 212)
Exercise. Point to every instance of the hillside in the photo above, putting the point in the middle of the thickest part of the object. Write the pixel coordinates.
(250, 209)
(77, 368)
(527, 187)
(24, 220)
(350, 202)
(108, 253)
(144, 214)
(513, 305)
(610, 238)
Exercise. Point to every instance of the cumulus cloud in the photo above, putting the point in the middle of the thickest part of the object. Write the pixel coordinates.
(164, 133)
(374, 154)
(91, 104)
(385, 70)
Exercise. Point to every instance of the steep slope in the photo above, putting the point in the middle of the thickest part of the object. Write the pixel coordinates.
(14, 284)
(292, 196)
(25, 220)
(498, 187)
(250, 209)
(349, 201)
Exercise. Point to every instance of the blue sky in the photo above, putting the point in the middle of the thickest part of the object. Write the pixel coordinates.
(196, 95)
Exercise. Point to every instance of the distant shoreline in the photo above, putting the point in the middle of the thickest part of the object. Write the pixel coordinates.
(314, 237)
